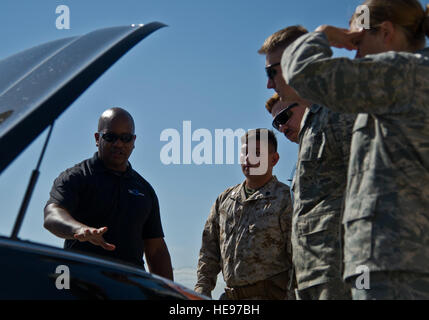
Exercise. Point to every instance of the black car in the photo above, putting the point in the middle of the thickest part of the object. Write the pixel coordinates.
(36, 86)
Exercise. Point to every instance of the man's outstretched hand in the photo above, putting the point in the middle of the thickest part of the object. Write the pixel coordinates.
(95, 236)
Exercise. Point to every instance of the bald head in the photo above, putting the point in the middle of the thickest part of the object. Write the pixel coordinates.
(114, 114)
(115, 138)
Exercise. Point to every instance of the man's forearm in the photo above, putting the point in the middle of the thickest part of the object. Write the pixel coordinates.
(60, 222)
(160, 264)
(207, 272)
(204, 287)
(209, 257)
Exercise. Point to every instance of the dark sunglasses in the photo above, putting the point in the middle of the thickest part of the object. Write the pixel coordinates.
(112, 137)
(283, 116)
(271, 72)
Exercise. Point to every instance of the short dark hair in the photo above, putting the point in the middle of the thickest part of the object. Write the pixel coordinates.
(272, 140)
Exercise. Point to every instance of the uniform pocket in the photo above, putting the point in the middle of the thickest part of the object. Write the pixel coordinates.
(358, 240)
(314, 224)
(226, 223)
(317, 240)
(312, 146)
(358, 229)
(360, 208)
(361, 153)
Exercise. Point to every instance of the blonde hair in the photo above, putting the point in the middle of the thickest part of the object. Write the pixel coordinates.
(408, 14)
(269, 105)
(282, 39)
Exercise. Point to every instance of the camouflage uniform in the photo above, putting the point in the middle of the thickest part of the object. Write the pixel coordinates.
(248, 239)
(386, 215)
(319, 189)
(394, 285)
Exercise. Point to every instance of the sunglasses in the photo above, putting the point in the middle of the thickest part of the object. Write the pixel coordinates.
(271, 72)
(283, 116)
(113, 137)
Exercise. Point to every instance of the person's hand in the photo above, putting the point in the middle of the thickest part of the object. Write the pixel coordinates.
(341, 38)
(95, 236)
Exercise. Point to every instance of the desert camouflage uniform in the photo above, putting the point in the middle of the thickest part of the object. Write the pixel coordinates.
(319, 189)
(248, 239)
(386, 216)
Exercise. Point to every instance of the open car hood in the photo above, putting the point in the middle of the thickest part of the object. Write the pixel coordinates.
(38, 84)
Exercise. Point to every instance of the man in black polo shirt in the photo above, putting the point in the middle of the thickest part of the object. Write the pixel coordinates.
(102, 206)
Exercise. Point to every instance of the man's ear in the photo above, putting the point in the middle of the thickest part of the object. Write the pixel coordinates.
(275, 158)
(387, 30)
(97, 138)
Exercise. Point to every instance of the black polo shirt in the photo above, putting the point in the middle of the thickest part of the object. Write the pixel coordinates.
(97, 197)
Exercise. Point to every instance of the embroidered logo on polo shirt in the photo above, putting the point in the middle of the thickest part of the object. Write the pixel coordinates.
(135, 192)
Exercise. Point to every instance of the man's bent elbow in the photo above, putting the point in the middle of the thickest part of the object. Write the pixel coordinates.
(47, 221)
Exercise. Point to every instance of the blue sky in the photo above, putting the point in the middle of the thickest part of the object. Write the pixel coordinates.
(203, 68)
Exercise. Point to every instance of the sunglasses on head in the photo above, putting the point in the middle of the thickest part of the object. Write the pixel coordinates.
(283, 116)
(271, 72)
(113, 137)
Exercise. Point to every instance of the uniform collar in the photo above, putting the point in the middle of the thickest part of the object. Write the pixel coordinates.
(267, 191)
(313, 109)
